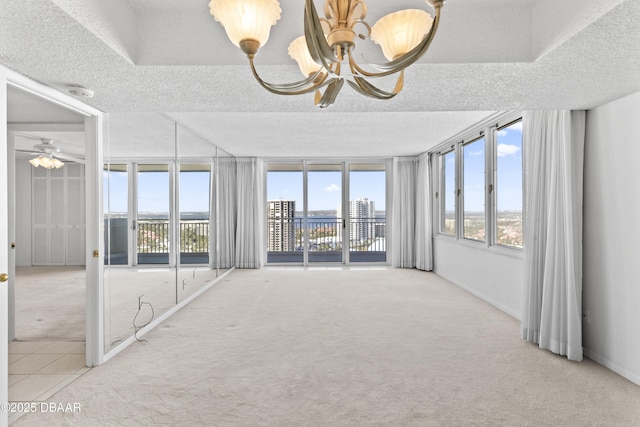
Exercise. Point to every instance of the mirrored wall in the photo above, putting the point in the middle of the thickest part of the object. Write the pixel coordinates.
(169, 217)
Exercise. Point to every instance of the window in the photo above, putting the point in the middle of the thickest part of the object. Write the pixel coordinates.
(480, 186)
(448, 189)
(508, 191)
(473, 176)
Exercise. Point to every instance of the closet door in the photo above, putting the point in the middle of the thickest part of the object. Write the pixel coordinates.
(75, 214)
(57, 223)
(40, 209)
(58, 216)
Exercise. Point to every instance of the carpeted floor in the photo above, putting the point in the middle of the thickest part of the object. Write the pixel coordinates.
(342, 348)
(50, 303)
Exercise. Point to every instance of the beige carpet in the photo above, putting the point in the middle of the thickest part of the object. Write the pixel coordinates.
(342, 347)
(50, 303)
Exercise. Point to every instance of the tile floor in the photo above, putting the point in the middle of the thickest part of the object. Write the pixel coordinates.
(38, 369)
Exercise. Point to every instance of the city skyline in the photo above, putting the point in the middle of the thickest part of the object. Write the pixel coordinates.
(325, 188)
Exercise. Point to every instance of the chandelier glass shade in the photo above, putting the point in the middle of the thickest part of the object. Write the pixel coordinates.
(246, 19)
(47, 161)
(298, 50)
(328, 42)
(399, 32)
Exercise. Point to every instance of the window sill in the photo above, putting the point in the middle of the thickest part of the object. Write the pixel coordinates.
(482, 246)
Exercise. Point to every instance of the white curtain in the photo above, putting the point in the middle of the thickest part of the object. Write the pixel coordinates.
(403, 212)
(250, 248)
(424, 225)
(227, 210)
(554, 154)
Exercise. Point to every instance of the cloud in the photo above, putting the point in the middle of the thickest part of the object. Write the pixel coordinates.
(516, 127)
(331, 188)
(476, 153)
(507, 149)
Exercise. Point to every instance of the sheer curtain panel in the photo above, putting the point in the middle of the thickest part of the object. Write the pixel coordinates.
(552, 300)
(227, 210)
(404, 212)
(424, 225)
(250, 248)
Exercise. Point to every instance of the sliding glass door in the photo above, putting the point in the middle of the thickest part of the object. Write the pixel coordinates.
(195, 206)
(326, 213)
(153, 219)
(367, 212)
(324, 221)
(116, 214)
(285, 208)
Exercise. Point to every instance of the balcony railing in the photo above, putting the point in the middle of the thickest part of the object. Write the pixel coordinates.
(285, 239)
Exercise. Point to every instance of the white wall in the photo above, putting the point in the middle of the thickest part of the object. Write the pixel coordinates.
(493, 274)
(611, 286)
(23, 211)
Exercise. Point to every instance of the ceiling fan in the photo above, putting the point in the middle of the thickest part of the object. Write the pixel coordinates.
(48, 154)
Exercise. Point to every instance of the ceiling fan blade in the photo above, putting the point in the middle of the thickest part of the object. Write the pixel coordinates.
(69, 158)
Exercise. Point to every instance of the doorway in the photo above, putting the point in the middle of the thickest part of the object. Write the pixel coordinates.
(45, 213)
(324, 212)
(47, 219)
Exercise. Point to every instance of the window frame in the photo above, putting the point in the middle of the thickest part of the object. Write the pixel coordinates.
(488, 130)
(442, 187)
(461, 188)
(495, 188)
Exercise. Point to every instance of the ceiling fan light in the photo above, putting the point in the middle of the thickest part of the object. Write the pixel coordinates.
(246, 19)
(35, 161)
(399, 32)
(47, 162)
(299, 51)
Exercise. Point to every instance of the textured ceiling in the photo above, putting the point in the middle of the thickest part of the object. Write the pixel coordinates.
(170, 57)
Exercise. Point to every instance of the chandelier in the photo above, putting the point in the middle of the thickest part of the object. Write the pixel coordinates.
(404, 37)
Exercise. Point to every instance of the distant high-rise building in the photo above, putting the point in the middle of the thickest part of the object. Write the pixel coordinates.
(282, 228)
(362, 213)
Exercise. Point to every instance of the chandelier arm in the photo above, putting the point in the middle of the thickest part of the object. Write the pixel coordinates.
(329, 97)
(315, 81)
(405, 60)
(365, 88)
(317, 44)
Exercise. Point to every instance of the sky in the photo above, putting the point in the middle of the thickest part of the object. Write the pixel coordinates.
(153, 191)
(508, 178)
(325, 188)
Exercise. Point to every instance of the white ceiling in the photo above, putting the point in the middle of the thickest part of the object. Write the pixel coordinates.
(146, 57)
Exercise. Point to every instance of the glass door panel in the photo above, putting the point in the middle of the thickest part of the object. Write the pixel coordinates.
(324, 223)
(194, 229)
(367, 213)
(152, 221)
(284, 214)
(116, 228)
(194, 213)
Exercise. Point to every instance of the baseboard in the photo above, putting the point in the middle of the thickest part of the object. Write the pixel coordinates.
(482, 297)
(142, 331)
(620, 370)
